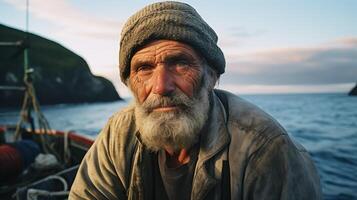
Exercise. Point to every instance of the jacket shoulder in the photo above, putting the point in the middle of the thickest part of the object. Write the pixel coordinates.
(105, 170)
(124, 116)
(261, 147)
(249, 126)
(249, 117)
(122, 125)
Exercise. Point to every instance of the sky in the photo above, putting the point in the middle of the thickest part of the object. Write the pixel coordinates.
(275, 46)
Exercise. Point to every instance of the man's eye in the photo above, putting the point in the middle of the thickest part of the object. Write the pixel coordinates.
(144, 68)
(182, 63)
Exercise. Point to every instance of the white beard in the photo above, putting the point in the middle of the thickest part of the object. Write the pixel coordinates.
(174, 129)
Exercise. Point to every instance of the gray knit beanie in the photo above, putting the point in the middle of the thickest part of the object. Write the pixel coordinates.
(172, 21)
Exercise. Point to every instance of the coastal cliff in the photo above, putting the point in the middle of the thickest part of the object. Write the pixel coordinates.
(59, 76)
(353, 92)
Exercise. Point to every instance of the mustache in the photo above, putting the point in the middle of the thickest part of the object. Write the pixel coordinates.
(175, 99)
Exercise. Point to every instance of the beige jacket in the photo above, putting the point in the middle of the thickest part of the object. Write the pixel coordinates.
(264, 161)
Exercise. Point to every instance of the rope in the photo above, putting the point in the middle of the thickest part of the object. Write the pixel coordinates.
(12, 88)
(64, 182)
(30, 101)
(33, 194)
(17, 43)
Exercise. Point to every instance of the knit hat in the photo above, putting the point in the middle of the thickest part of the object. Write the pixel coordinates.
(172, 21)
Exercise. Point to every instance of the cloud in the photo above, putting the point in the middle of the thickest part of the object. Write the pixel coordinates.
(348, 41)
(242, 32)
(330, 63)
(70, 19)
(237, 36)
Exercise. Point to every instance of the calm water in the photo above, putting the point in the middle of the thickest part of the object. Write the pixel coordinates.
(326, 124)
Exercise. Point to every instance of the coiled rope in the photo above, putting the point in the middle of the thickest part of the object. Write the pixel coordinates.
(35, 194)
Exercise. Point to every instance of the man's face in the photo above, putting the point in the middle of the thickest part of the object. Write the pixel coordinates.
(170, 83)
(162, 67)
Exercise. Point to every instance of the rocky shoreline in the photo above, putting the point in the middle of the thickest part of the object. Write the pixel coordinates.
(353, 91)
(59, 75)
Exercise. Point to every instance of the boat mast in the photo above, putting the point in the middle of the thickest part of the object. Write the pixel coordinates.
(26, 62)
(30, 101)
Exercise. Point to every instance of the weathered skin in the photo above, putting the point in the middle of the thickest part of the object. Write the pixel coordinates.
(160, 68)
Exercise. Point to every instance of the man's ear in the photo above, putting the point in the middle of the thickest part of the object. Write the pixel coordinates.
(212, 77)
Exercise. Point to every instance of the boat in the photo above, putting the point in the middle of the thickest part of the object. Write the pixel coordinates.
(32, 170)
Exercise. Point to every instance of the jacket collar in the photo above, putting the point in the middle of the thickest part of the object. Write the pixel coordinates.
(213, 141)
(216, 136)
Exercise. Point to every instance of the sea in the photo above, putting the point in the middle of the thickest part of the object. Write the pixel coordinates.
(325, 124)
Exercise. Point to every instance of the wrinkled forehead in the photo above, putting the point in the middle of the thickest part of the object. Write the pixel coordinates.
(166, 48)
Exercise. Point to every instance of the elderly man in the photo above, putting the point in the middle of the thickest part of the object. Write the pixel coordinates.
(181, 139)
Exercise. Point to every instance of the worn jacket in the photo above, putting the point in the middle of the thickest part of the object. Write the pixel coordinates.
(264, 162)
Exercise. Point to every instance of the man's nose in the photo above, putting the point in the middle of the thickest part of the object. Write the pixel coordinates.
(164, 81)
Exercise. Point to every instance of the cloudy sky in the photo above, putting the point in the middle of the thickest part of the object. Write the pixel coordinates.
(274, 46)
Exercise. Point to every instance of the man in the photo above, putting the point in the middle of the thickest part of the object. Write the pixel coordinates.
(182, 139)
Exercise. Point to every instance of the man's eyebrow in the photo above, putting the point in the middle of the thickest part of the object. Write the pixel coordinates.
(142, 61)
(178, 56)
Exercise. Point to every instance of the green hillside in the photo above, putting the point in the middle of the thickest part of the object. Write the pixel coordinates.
(60, 76)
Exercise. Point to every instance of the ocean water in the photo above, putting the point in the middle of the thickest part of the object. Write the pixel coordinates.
(326, 124)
